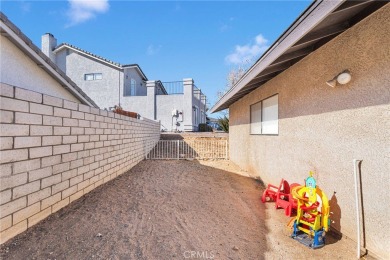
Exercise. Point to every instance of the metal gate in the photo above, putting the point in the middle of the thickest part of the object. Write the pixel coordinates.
(189, 149)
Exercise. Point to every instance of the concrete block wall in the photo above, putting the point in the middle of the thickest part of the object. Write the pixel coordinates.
(53, 151)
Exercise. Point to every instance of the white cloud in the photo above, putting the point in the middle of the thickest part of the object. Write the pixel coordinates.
(247, 53)
(83, 10)
(153, 49)
(25, 6)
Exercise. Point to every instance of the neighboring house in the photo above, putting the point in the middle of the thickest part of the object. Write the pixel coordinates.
(23, 65)
(213, 123)
(285, 119)
(109, 84)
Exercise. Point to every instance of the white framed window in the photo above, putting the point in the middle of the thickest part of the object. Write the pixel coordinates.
(256, 118)
(130, 88)
(264, 116)
(88, 76)
(133, 86)
(93, 76)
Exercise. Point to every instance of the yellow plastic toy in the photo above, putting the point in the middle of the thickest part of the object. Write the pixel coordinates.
(312, 220)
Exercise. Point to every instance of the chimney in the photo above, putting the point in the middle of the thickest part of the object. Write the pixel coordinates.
(48, 45)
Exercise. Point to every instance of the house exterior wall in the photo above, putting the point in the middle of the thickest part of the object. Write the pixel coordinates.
(104, 92)
(132, 73)
(323, 129)
(109, 91)
(196, 101)
(135, 104)
(53, 151)
(167, 103)
(157, 106)
(19, 70)
(60, 59)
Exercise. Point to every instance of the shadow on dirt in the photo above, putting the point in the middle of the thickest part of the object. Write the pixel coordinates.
(157, 210)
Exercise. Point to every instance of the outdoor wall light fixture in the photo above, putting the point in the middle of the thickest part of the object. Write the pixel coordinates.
(342, 78)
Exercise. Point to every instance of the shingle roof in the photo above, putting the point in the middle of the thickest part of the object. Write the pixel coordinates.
(72, 87)
(116, 64)
(136, 65)
(87, 52)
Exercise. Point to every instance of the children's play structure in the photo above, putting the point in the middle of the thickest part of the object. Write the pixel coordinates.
(281, 196)
(311, 206)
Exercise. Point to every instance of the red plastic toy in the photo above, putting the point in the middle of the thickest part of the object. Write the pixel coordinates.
(285, 199)
(270, 193)
(281, 196)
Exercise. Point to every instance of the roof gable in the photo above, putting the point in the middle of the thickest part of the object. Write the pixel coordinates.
(63, 46)
(17, 37)
(105, 61)
(137, 68)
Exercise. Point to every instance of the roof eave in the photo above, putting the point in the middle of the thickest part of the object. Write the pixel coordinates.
(64, 46)
(138, 68)
(310, 18)
(111, 64)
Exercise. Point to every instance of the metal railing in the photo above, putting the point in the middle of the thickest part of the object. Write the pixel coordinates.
(189, 149)
(173, 87)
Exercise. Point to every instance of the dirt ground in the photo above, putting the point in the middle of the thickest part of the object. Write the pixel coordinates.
(170, 210)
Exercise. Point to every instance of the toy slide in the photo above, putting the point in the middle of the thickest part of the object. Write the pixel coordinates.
(312, 220)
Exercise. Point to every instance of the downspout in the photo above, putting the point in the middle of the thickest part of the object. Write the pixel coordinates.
(355, 172)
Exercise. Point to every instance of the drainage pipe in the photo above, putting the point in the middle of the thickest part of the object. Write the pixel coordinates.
(355, 172)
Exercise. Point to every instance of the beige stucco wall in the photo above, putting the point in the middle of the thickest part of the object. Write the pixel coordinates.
(324, 129)
(17, 69)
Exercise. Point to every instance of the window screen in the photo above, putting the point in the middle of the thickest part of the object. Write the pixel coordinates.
(88, 76)
(133, 86)
(264, 116)
(256, 118)
(270, 116)
(93, 76)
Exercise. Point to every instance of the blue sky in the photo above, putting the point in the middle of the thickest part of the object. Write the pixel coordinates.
(170, 40)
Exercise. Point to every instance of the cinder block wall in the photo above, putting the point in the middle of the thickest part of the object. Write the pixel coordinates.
(52, 151)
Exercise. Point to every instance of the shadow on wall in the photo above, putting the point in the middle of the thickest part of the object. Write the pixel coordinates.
(328, 126)
(303, 90)
(335, 218)
(297, 99)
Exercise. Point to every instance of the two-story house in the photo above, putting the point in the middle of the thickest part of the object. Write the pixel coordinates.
(180, 105)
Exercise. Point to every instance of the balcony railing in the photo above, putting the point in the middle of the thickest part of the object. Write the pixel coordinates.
(173, 87)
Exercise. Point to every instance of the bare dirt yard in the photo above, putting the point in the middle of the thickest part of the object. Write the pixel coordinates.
(170, 210)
